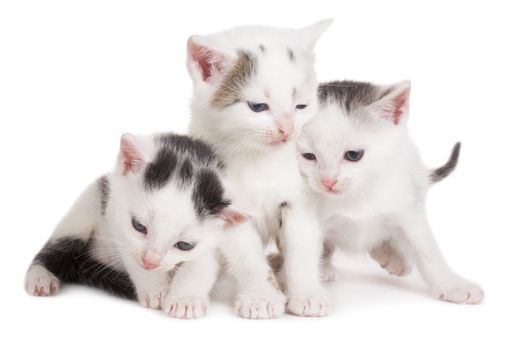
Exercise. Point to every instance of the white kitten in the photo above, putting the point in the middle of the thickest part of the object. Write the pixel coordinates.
(163, 206)
(254, 87)
(365, 172)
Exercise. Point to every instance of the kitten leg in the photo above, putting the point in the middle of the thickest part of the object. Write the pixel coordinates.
(329, 272)
(259, 296)
(301, 244)
(151, 286)
(390, 257)
(443, 282)
(192, 282)
(52, 263)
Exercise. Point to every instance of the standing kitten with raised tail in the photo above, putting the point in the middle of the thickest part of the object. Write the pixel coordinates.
(254, 87)
(146, 231)
(365, 172)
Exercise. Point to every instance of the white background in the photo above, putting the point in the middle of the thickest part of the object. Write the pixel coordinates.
(75, 75)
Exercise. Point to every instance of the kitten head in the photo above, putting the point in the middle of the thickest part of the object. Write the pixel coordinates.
(354, 135)
(253, 86)
(167, 200)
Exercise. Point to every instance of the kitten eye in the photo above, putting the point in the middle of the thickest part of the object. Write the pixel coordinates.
(181, 245)
(354, 156)
(309, 156)
(257, 107)
(138, 226)
(301, 106)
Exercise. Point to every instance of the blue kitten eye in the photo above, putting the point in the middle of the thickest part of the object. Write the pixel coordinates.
(138, 226)
(301, 106)
(257, 107)
(354, 156)
(309, 156)
(181, 245)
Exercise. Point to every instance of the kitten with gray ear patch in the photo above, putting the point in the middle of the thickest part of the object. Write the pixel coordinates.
(370, 185)
(253, 89)
(159, 213)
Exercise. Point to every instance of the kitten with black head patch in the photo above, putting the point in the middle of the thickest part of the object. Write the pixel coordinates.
(253, 88)
(360, 164)
(159, 213)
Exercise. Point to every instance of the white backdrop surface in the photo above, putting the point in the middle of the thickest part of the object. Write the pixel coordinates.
(75, 75)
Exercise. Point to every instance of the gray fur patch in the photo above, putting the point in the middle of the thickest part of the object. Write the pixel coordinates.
(283, 207)
(235, 80)
(103, 186)
(262, 48)
(349, 94)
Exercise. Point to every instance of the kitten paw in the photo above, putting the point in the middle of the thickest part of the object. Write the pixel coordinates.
(391, 260)
(41, 282)
(152, 299)
(459, 292)
(264, 306)
(186, 307)
(316, 304)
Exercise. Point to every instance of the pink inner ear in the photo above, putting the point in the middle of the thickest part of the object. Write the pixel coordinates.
(397, 107)
(208, 60)
(131, 157)
(400, 105)
(233, 217)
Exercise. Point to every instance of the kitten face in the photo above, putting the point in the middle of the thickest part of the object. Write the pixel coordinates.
(267, 111)
(167, 202)
(162, 228)
(353, 136)
(258, 85)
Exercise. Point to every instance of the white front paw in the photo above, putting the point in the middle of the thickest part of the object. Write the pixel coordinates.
(260, 306)
(313, 304)
(152, 298)
(41, 282)
(186, 307)
(459, 291)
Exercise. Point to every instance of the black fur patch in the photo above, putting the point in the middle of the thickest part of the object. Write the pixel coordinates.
(208, 193)
(181, 153)
(186, 172)
(159, 172)
(103, 184)
(446, 169)
(262, 48)
(191, 147)
(349, 94)
(69, 259)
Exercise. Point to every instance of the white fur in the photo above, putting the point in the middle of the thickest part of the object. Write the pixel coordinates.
(378, 203)
(264, 171)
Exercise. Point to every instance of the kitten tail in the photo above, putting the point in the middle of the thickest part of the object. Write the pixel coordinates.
(445, 170)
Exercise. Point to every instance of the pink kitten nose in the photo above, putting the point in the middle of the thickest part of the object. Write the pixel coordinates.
(285, 126)
(284, 134)
(329, 182)
(151, 259)
(149, 265)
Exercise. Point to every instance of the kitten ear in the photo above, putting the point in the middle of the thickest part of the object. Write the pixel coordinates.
(311, 33)
(131, 157)
(240, 208)
(233, 216)
(205, 63)
(394, 106)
